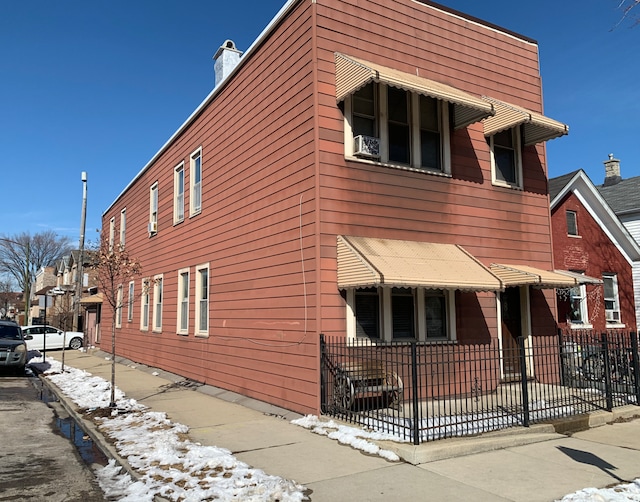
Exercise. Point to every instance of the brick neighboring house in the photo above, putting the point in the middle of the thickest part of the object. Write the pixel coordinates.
(345, 176)
(623, 196)
(591, 241)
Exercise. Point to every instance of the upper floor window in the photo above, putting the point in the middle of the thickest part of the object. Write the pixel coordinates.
(123, 226)
(398, 127)
(506, 158)
(195, 204)
(153, 209)
(202, 299)
(611, 299)
(178, 193)
(572, 223)
(112, 233)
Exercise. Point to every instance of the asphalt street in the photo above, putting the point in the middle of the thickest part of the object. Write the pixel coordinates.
(36, 461)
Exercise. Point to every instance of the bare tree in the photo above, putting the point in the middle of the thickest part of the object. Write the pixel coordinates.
(22, 255)
(7, 296)
(114, 268)
(627, 7)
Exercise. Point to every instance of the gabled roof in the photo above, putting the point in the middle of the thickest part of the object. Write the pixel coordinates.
(581, 186)
(623, 197)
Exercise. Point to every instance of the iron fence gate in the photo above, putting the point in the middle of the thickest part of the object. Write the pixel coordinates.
(421, 391)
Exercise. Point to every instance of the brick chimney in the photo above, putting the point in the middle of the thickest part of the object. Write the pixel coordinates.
(226, 59)
(611, 171)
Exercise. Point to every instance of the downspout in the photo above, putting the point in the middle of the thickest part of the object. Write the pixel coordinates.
(317, 231)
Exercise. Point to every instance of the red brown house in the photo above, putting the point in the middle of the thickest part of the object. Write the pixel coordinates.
(591, 241)
(349, 177)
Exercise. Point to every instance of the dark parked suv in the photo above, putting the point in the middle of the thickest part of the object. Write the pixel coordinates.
(13, 348)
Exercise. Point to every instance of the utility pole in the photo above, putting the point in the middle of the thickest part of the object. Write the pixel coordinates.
(80, 266)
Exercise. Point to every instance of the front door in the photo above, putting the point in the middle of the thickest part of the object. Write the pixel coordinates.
(511, 330)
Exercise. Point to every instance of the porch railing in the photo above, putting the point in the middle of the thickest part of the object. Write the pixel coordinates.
(420, 391)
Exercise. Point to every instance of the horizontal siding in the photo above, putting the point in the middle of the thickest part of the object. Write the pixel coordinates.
(256, 231)
(357, 198)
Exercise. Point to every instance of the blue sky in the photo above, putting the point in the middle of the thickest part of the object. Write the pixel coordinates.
(99, 86)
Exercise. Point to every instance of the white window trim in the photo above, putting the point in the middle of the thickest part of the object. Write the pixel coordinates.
(584, 310)
(382, 111)
(176, 202)
(517, 145)
(145, 297)
(119, 295)
(193, 210)
(112, 233)
(123, 227)
(575, 216)
(158, 291)
(154, 202)
(386, 321)
(616, 298)
(130, 300)
(198, 300)
(179, 330)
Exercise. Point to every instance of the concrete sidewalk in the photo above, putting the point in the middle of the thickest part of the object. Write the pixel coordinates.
(535, 464)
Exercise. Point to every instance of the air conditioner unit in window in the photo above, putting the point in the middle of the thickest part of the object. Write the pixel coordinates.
(153, 227)
(612, 315)
(366, 146)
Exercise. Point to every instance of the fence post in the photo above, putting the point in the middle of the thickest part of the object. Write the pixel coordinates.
(607, 371)
(415, 424)
(523, 377)
(635, 366)
(563, 359)
(323, 383)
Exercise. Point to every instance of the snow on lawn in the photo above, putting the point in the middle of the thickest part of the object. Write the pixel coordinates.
(168, 463)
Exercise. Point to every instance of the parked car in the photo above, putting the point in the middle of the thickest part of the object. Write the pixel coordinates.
(13, 348)
(55, 338)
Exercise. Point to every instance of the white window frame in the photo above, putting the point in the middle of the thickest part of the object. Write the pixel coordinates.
(195, 188)
(202, 300)
(517, 147)
(386, 318)
(158, 300)
(575, 222)
(182, 322)
(130, 300)
(145, 307)
(178, 196)
(123, 227)
(112, 233)
(153, 209)
(613, 317)
(382, 124)
(579, 292)
(119, 294)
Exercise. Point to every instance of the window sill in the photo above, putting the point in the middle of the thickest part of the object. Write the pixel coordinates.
(157, 330)
(503, 184)
(400, 167)
(202, 335)
(574, 236)
(195, 213)
(614, 325)
(580, 326)
(177, 222)
(182, 333)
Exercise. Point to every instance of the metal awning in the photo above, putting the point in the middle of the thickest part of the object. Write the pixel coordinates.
(353, 73)
(370, 262)
(522, 275)
(580, 278)
(537, 127)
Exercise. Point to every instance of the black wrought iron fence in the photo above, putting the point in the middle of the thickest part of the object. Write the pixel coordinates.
(426, 391)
